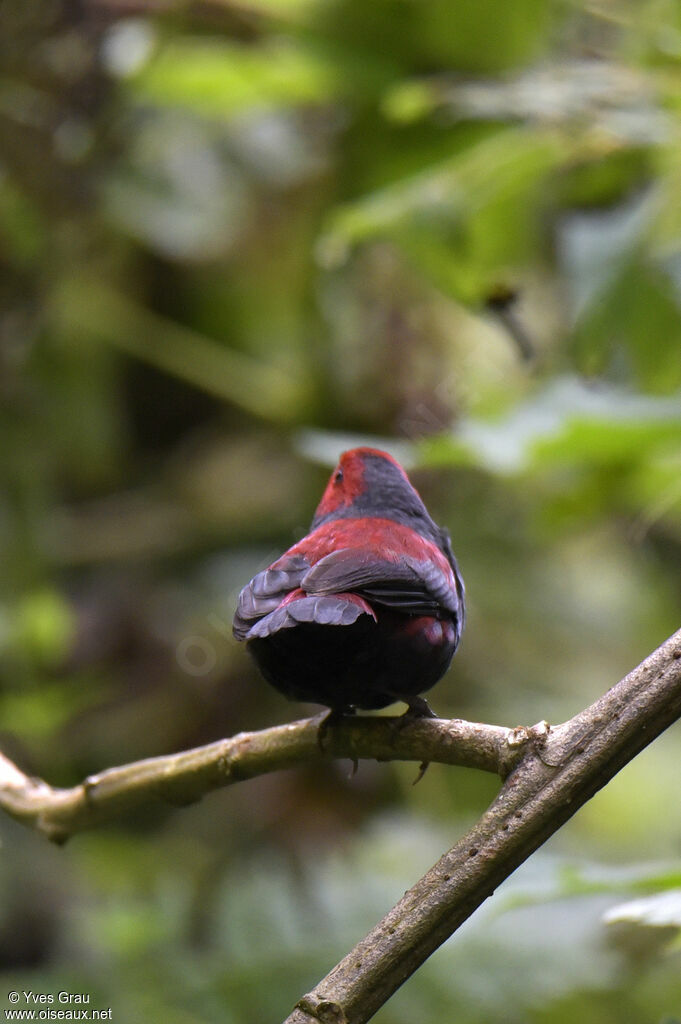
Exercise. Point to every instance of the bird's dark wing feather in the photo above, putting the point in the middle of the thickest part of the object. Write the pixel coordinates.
(407, 584)
(320, 610)
(266, 591)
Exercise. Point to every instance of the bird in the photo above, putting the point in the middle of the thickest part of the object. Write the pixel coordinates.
(368, 608)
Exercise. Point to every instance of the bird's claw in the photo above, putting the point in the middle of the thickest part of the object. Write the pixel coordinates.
(334, 716)
(418, 708)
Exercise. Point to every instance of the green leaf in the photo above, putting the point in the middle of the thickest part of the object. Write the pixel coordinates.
(93, 310)
(43, 627)
(22, 231)
(662, 910)
(570, 423)
(636, 316)
(219, 78)
(596, 441)
(37, 713)
(461, 221)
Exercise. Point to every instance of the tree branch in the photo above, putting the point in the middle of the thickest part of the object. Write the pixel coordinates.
(549, 773)
(185, 777)
(552, 781)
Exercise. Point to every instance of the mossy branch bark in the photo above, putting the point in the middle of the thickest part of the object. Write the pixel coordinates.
(185, 777)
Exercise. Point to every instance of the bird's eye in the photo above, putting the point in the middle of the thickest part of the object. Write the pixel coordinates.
(338, 476)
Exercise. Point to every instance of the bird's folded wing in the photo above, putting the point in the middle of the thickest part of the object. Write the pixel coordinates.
(404, 583)
(266, 591)
(318, 610)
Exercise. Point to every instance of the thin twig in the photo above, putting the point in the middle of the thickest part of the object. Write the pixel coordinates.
(185, 777)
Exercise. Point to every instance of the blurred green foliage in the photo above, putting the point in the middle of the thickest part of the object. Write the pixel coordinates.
(235, 239)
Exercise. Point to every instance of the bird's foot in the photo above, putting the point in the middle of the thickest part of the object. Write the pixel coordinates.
(334, 716)
(418, 708)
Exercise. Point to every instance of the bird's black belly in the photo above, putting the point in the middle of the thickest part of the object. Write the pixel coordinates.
(365, 665)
